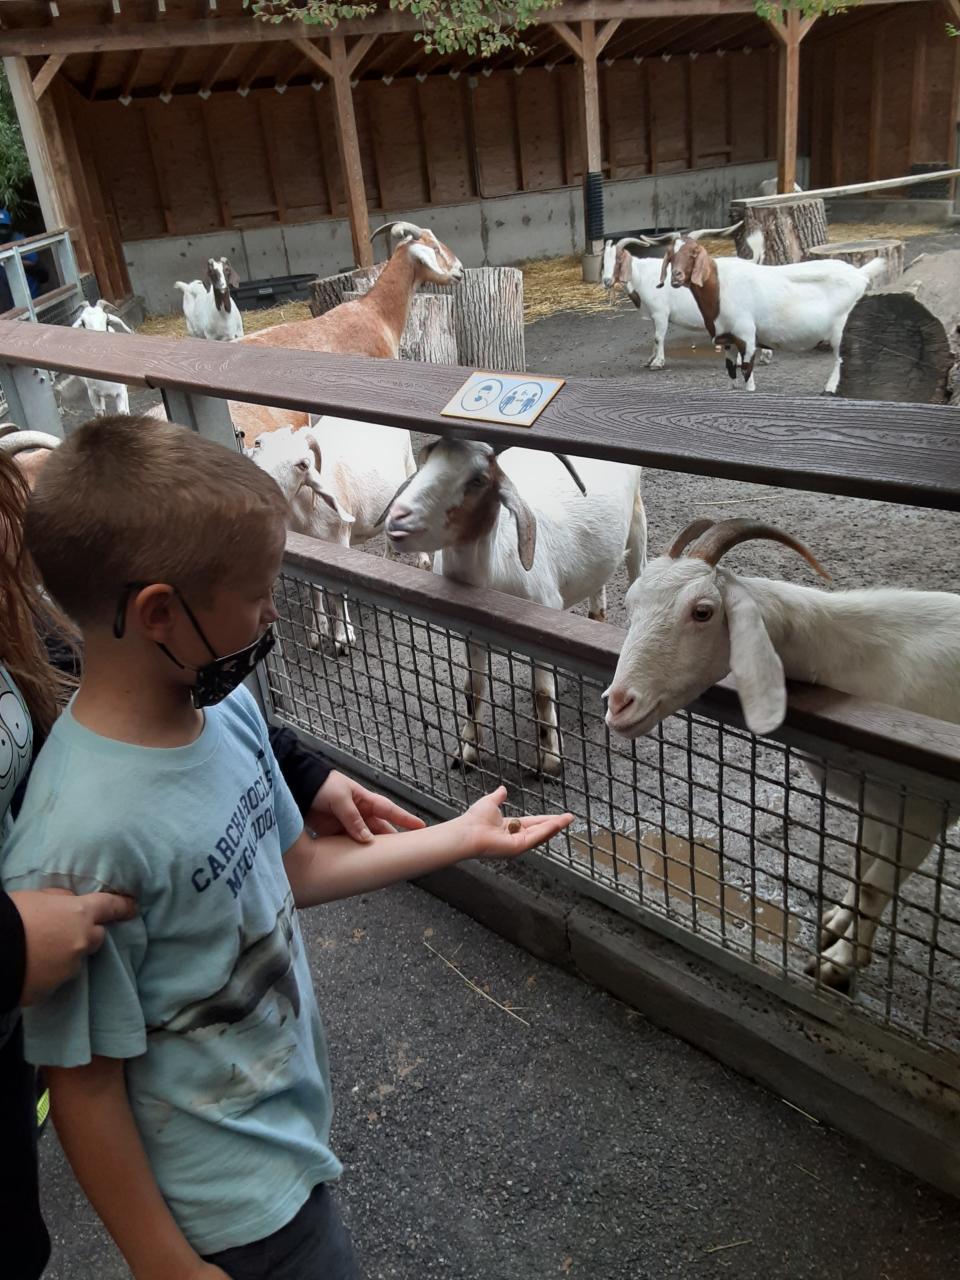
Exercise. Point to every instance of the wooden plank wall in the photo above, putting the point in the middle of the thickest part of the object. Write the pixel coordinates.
(194, 165)
(881, 96)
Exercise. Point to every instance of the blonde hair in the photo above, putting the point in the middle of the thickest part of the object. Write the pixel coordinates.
(28, 619)
(137, 499)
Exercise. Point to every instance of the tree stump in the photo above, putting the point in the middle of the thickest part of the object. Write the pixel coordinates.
(488, 317)
(428, 335)
(903, 342)
(327, 292)
(859, 252)
(787, 230)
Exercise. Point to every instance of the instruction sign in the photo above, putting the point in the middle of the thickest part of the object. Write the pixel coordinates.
(516, 399)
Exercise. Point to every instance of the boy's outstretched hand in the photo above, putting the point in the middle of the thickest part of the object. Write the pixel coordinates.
(490, 835)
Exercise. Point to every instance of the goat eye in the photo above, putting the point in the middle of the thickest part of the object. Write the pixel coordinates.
(303, 464)
(702, 612)
(476, 482)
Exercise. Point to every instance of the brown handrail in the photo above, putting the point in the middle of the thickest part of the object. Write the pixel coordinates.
(865, 449)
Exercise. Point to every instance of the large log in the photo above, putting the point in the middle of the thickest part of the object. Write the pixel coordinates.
(860, 252)
(903, 342)
(787, 230)
(487, 315)
(428, 335)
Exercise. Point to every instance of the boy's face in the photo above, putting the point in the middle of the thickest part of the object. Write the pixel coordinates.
(239, 612)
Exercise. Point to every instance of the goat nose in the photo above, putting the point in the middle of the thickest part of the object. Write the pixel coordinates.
(619, 700)
(398, 511)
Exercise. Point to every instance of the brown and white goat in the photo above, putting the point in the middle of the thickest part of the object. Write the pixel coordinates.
(208, 306)
(368, 326)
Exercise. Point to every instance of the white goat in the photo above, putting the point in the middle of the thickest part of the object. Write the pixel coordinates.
(105, 397)
(691, 623)
(795, 306)
(208, 307)
(516, 523)
(337, 475)
(768, 187)
(640, 279)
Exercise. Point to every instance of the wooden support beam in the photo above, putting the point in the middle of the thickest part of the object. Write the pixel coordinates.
(608, 30)
(953, 9)
(266, 130)
(41, 81)
(172, 74)
(314, 55)
(216, 69)
(789, 33)
(359, 51)
(348, 148)
(130, 74)
(163, 194)
(569, 38)
(876, 104)
(252, 69)
(42, 165)
(226, 217)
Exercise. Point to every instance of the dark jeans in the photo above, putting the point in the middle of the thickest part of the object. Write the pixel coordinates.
(315, 1245)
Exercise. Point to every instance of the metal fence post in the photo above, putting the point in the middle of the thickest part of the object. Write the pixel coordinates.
(207, 415)
(31, 403)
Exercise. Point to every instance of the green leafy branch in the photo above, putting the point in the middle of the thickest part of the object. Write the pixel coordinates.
(14, 165)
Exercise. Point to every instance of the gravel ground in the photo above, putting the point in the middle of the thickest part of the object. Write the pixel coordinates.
(591, 1143)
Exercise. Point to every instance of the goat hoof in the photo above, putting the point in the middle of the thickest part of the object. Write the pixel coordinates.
(551, 766)
(836, 977)
(656, 364)
(469, 758)
(425, 562)
(314, 641)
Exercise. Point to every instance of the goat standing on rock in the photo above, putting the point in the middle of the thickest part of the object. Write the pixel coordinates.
(368, 326)
(796, 306)
(516, 523)
(692, 622)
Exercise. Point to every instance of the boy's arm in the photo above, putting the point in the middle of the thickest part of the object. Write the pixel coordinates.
(97, 1131)
(337, 867)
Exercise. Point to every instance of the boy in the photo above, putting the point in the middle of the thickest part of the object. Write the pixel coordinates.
(187, 1066)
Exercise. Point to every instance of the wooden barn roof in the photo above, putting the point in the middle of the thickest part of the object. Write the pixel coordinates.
(125, 49)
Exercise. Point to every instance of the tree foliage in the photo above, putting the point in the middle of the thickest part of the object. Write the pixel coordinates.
(14, 165)
(480, 28)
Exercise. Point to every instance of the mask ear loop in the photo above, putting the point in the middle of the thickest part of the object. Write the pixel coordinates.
(120, 617)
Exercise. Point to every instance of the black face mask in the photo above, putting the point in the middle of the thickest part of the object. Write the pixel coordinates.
(220, 676)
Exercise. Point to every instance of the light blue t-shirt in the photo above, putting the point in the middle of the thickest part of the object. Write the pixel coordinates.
(207, 994)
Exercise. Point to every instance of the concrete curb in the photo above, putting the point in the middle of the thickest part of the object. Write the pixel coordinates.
(894, 1110)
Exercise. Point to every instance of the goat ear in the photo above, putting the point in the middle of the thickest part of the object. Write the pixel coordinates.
(313, 444)
(526, 521)
(233, 280)
(316, 484)
(701, 265)
(754, 662)
(667, 259)
(114, 322)
(425, 452)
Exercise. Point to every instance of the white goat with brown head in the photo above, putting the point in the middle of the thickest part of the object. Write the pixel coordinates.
(367, 326)
(693, 621)
(208, 305)
(515, 522)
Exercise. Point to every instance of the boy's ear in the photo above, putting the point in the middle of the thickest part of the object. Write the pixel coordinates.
(152, 612)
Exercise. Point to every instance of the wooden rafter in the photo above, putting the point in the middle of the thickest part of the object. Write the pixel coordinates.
(253, 68)
(358, 52)
(216, 69)
(130, 75)
(569, 38)
(41, 81)
(606, 32)
(173, 73)
(287, 72)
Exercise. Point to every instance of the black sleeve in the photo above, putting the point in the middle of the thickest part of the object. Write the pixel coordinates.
(13, 955)
(304, 771)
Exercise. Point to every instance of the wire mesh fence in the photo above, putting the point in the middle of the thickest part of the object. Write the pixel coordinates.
(829, 874)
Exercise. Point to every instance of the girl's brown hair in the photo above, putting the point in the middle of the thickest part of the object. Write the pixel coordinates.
(28, 618)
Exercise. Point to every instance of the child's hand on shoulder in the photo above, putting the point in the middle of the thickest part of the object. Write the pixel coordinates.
(489, 834)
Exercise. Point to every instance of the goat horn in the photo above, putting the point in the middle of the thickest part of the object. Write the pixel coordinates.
(398, 229)
(573, 471)
(719, 232)
(15, 442)
(640, 240)
(725, 534)
(688, 535)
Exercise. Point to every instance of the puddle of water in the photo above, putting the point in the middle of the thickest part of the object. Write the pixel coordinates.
(685, 351)
(687, 873)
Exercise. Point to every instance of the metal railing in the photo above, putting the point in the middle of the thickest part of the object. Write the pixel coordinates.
(57, 247)
(733, 845)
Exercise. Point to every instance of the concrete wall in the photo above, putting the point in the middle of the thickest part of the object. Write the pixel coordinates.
(541, 224)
